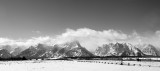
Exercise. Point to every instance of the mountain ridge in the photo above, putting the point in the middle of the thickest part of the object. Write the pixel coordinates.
(74, 49)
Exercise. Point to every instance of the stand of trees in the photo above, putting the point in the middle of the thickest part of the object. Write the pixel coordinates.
(120, 58)
(13, 58)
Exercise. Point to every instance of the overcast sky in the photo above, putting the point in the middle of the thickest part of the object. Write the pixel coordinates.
(30, 18)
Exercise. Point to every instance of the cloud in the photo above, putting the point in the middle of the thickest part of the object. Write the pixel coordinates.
(91, 38)
(29, 42)
(4, 41)
(151, 38)
(88, 38)
(43, 40)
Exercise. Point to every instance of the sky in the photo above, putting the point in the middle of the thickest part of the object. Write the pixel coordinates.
(25, 19)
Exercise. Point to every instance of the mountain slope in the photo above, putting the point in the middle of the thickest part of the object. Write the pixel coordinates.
(7, 47)
(4, 53)
(17, 51)
(150, 50)
(118, 49)
(34, 52)
(73, 49)
(69, 49)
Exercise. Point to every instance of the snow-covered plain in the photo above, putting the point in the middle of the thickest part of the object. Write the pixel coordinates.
(61, 65)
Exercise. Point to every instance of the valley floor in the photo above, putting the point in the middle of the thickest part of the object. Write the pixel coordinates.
(61, 65)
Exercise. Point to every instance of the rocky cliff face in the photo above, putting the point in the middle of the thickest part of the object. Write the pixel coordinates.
(118, 49)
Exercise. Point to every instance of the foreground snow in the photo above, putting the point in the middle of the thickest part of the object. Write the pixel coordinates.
(52, 65)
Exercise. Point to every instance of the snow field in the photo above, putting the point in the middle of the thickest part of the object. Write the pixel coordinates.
(61, 65)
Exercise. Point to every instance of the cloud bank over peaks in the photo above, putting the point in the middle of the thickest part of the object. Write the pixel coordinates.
(88, 38)
(91, 38)
(28, 42)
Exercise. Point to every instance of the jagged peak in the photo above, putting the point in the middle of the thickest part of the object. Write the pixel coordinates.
(150, 47)
(70, 44)
(40, 44)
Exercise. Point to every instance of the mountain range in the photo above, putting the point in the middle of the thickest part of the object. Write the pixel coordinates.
(74, 49)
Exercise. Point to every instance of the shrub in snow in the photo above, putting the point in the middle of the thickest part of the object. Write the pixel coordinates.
(128, 64)
(121, 63)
